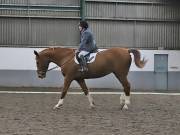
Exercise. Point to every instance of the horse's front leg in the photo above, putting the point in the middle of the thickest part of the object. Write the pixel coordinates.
(83, 85)
(67, 83)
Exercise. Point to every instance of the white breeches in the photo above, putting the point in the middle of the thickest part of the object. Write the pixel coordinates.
(82, 53)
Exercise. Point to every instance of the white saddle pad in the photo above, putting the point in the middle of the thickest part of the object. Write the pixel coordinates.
(91, 58)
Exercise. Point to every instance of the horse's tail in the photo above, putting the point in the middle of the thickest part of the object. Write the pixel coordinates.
(137, 58)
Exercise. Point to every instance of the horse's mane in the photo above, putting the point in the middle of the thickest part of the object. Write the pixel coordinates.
(48, 51)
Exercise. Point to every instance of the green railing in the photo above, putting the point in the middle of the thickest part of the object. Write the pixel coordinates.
(28, 10)
(82, 9)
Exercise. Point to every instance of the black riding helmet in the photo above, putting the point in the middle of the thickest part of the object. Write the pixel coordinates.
(83, 24)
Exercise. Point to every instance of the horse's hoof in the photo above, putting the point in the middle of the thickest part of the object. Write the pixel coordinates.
(92, 106)
(93, 103)
(56, 107)
(124, 107)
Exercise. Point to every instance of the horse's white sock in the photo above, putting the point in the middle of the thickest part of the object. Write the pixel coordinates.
(90, 99)
(127, 100)
(60, 102)
(122, 99)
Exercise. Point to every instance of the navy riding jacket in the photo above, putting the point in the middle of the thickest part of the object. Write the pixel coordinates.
(87, 41)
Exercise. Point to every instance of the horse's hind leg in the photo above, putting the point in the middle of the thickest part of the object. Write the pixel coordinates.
(82, 84)
(124, 98)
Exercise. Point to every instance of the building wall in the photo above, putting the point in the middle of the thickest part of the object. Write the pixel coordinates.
(147, 24)
(139, 80)
(41, 32)
(28, 23)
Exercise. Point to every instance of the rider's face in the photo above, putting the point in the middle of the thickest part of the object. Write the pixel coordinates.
(80, 28)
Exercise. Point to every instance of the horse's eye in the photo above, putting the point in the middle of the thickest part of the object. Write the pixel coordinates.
(37, 63)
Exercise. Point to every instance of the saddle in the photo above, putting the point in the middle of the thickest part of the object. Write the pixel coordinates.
(90, 57)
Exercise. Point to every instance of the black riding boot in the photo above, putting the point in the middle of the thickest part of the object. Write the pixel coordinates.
(83, 64)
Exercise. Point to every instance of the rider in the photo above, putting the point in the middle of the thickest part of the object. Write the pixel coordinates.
(87, 44)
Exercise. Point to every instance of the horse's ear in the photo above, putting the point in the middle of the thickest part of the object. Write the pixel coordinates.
(36, 53)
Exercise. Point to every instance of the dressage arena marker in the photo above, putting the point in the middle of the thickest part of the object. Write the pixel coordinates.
(94, 93)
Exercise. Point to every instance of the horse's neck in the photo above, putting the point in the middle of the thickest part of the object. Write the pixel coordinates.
(60, 55)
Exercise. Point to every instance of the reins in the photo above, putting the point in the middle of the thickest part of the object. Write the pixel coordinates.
(63, 63)
(52, 68)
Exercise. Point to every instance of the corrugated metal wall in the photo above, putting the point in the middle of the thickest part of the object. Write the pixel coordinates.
(39, 23)
(38, 32)
(146, 24)
(42, 2)
(150, 35)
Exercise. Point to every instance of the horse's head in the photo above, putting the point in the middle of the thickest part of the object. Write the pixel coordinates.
(42, 63)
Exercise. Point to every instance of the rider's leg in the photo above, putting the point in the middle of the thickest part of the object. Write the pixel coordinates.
(83, 63)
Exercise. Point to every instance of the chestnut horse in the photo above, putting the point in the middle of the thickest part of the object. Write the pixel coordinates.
(113, 60)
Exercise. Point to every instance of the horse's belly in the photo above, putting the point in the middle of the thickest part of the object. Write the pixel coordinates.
(95, 75)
